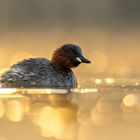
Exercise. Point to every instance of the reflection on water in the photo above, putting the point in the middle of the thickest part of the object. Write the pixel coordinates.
(109, 112)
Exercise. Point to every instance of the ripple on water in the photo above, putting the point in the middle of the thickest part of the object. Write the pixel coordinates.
(75, 114)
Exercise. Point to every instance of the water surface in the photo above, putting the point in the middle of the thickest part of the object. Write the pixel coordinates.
(109, 110)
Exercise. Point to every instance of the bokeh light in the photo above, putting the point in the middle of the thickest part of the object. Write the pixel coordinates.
(130, 100)
(98, 81)
(106, 112)
(14, 110)
(58, 122)
(109, 80)
(7, 90)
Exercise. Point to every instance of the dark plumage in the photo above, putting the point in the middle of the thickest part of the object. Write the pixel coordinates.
(41, 72)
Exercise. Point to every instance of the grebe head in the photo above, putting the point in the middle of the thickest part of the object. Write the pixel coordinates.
(68, 56)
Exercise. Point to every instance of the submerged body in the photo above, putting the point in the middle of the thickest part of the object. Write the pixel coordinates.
(41, 72)
(37, 72)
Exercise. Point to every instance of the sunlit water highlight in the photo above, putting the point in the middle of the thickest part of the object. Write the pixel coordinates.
(107, 110)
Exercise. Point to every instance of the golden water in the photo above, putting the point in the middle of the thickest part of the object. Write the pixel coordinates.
(108, 111)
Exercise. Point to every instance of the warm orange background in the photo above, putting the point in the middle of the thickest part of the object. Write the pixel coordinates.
(108, 31)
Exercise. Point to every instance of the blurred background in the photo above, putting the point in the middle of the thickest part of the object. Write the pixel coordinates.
(107, 30)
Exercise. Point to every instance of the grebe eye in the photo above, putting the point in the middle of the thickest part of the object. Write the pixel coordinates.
(75, 52)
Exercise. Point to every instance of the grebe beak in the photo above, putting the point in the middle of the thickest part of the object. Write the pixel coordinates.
(82, 59)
